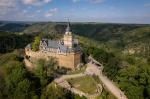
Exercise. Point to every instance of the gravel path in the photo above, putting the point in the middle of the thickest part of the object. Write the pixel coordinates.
(109, 85)
(112, 87)
(64, 77)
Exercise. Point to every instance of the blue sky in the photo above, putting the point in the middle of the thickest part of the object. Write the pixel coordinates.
(110, 11)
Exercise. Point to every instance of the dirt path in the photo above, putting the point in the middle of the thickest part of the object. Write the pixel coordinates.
(112, 87)
(64, 77)
(109, 85)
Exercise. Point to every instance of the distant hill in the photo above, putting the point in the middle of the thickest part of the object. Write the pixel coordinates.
(46, 28)
(97, 31)
(116, 35)
(122, 36)
(13, 26)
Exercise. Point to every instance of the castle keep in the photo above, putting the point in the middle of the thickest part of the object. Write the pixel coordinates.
(66, 51)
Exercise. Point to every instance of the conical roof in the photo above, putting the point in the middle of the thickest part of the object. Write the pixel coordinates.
(68, 29)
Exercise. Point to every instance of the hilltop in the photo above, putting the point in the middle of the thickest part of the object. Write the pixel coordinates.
(123, 49)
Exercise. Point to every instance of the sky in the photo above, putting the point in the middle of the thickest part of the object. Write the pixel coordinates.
(105, 11)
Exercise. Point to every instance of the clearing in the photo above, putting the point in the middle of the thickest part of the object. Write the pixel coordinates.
(86, 84)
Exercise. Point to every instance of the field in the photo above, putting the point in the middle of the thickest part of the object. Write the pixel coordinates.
(86, 84)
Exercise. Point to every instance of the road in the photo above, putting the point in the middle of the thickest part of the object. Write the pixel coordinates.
(64, 77)
(112, 87)
(108, 84)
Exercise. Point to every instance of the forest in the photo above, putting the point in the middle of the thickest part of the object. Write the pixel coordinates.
(123, 49)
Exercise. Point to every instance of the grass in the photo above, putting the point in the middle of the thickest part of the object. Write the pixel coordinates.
(86, 84)
(106, 95)
(96, 78)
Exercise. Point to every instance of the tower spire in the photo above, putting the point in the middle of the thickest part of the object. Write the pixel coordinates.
(68, 29)
(68, 37)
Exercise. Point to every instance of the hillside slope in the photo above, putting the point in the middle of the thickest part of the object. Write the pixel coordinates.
(13, 26)
(122, 49)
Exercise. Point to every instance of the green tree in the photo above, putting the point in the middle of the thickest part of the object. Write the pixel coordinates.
(36, 43)
(54, 92)
(40, 72)
(17, 84)
(46, 70)
(22, 90)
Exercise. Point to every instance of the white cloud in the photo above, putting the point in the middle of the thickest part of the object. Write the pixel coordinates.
(20, 9)
(32, 16)
(12, 10)
(38, 11)
(51, 12)
(92, 1)
(47, 1)
(29, 1)
(96, 1)
(75, 1)
(7, 6)
(25, 11)
(36, 2)
(147, 5)
(7, 3)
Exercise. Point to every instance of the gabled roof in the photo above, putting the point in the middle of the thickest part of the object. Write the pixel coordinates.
(59, 45)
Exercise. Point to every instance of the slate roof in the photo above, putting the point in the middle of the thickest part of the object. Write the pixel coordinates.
(53, 44)
(59, 45)
(62, 48)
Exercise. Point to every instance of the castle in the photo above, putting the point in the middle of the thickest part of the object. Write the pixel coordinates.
(67, 51)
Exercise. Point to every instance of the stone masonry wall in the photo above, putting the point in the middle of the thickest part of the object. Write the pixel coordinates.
(69, 60)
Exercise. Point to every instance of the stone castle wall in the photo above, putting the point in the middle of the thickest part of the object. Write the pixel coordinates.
(69, 60)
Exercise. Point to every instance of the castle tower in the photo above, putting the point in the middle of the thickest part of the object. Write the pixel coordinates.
(68, 37)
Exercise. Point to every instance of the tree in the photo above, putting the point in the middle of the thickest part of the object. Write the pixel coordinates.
(22, 90)
(40, 72)
(54, 92)
(46, 70)
(36, 43)
(17, 84)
